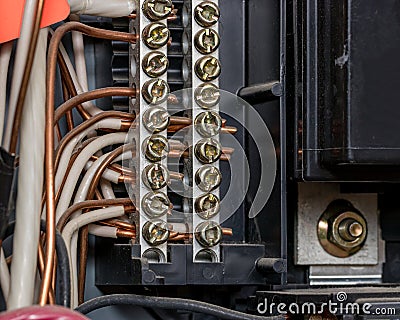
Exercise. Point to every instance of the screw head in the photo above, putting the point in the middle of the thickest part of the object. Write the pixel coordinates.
(155, 233)
(155, 64)
(155, 148)
(156, 119)
(208, 68)
(208, 178)
(207, 95)
(155, 176)
(208, 234)
(206, 14)
(155, 91)
(207, 206)
(157, 9)
(208, 150)
(206, 41)
(156, 35)
(208, 123)
(156, 204)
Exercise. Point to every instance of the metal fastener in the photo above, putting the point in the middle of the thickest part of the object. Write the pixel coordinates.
(207, 95)
(156, 204)
(156, 35)
(156, 119)
(208, 234)
(208, 178)
(206, 14)
(155, 91)
(208, 150)
(155, 64)
(208, 123)
(155, 232)
(342, 229)
(206, 41)
(155, 176)
(157, 9)
(208, 68)
(207, 206)
(155, 148)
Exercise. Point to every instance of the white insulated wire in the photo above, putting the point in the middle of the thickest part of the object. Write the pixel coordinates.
(30, 184)
(103, 231)
(106, 189)
(4, 275)
(5, 54)
(103, 8)
(21, 56)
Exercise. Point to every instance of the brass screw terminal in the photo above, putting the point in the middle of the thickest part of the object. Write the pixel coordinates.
(206, 14)
(157, 9)
(155, 91)
(208, 150)
(207, 206)
(206, 41)
(155, 176)
(156, 119)
(155, 64)
(208, 178)
(155, 148)
(156, 204)
(207, 95)
(208, 68)
(156, 35)
(208, 234)
(208, 123)
(155, 232)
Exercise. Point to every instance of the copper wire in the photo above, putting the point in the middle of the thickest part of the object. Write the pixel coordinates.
(49, 137)
(26, 77)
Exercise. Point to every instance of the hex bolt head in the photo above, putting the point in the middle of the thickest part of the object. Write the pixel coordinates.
(208, 178)
(208, 123)
(206, 41)
(208, 68)
(156, 35)
(208, 150)
(155, 64)
(156, 204)
(155, 148)
(155, 176)
(155, 233)
(155, 91)
(206, 14)
(156, 119)
(207, 95)
(207, 206)
(208, 234)
(157, 9)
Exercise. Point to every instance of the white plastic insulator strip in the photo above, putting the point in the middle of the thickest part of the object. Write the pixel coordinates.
(30, 184)
(103, 8)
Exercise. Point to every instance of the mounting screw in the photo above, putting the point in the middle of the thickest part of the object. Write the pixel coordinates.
(208, 234)
(156, 35)
(208, 123)
(155, 91)
(156, 119)
(206, 14)
(208, 178)
(155, 64)
(156, 204)
(342, 229)
(208, 150)
(207, 95)
(208, 68)
(207, 206)
(155, 148)
(155, 176)
(155, 232)
(157, 9)
(206, 41)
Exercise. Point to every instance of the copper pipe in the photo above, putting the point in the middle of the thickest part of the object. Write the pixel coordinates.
(25, 78)
(92, 95)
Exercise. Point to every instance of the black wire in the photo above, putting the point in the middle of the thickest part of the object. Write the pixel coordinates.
(167, 303)
(63, 292)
